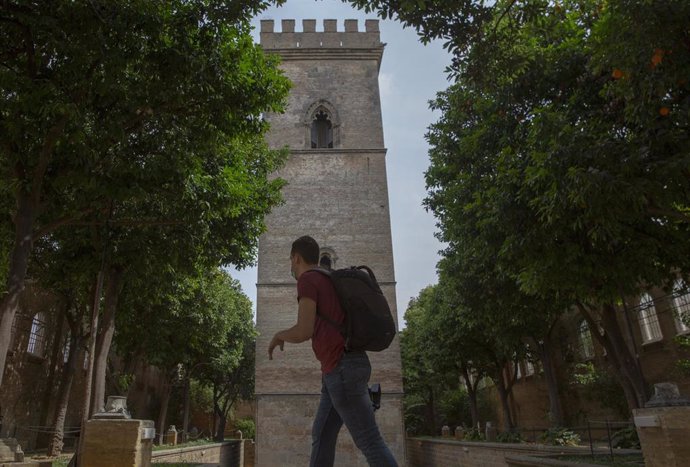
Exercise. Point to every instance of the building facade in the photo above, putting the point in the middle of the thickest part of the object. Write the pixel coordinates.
(652, 326)
(336, 192)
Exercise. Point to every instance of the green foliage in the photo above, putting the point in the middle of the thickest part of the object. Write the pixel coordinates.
(200, 396)
(600, 386)
(626, 438)
(559, 163)
(247, 427)
(510, 437)
(133, 131)
(683, 364)
(414, 407)
(454, 406)
(474, 435)
(123, 382)
(184, 321)
(560, 437)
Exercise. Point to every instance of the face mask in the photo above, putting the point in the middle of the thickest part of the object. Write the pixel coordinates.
(293, 274)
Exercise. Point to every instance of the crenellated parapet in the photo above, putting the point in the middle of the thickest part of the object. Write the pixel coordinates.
(329, 38)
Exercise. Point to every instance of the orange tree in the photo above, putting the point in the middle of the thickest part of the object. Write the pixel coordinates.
(565, 138)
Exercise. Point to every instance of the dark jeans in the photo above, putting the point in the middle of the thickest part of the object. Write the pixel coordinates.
(345, 399)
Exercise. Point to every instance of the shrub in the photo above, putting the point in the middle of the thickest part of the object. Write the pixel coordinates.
(247, 427)
(626, 438)
(474, 435)
(560, 437)
(600, 386)
(509, 437)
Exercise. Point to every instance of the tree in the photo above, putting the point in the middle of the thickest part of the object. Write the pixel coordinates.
(565, 137)
(424, 375)
(230, 372)
(105, 104)
(181, 325)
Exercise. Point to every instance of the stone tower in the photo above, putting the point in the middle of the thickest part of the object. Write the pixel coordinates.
(337, 193)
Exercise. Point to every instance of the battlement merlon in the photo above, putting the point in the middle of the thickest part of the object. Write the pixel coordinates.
(330, 38)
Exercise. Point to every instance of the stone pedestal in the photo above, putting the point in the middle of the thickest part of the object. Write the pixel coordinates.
(490, 432)
(171, 436)
(664, 428)
(10, 450)
(118, 443)
(664, 435)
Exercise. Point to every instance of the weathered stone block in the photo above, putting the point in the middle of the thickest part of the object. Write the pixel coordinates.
(664, 441)
(117, 443)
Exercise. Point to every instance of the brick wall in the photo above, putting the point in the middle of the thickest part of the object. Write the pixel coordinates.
(31, 382)
(529, 399)
(339, 196)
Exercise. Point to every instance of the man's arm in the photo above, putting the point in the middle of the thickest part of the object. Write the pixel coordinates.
(300, 332)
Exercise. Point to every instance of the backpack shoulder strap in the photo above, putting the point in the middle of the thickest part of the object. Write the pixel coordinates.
(326, 273)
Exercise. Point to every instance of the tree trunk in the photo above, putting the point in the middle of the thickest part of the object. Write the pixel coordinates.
(622, 360)
(105, 337)
(430, 413)
(70, 369)
(555, 407)
(472, 395)
(628, 363)
(56, 361)
(503, 393)
(474, 410)
(185, 412)
(220, 426)
(163, 414)
(19, 263)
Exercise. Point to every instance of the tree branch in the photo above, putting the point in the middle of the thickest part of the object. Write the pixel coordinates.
(500, 18)
(128, 222)
(46, 156)
(67, 220)
(677, 215)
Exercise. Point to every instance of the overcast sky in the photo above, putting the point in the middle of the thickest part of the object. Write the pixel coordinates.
(411, 74)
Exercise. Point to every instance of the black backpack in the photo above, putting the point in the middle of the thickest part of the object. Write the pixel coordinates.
(369, 324)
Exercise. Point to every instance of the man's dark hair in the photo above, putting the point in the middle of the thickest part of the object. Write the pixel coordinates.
(307, 248)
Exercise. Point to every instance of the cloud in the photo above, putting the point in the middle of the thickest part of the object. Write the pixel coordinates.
(385, 85)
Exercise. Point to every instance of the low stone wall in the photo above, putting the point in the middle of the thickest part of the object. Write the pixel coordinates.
(249, 453)
(530, 461)
(432, 452)
(225, 454)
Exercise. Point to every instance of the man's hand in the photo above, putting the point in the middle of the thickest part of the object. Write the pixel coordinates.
(275, 342)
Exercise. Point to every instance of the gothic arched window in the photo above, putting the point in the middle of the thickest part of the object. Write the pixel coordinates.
(327, 258)
(37, 338)
(584, 337)
(681, 300)
(321, 130)
(321, 124)
(648, 319)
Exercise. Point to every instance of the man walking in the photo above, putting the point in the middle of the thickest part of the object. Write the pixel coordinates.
(345, 374)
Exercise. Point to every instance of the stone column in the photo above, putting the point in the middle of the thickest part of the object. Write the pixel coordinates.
(664, 428)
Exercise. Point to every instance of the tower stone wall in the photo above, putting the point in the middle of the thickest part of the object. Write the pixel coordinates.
(339, 196)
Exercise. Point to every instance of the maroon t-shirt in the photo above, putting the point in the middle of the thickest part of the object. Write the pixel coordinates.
(327, 342)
